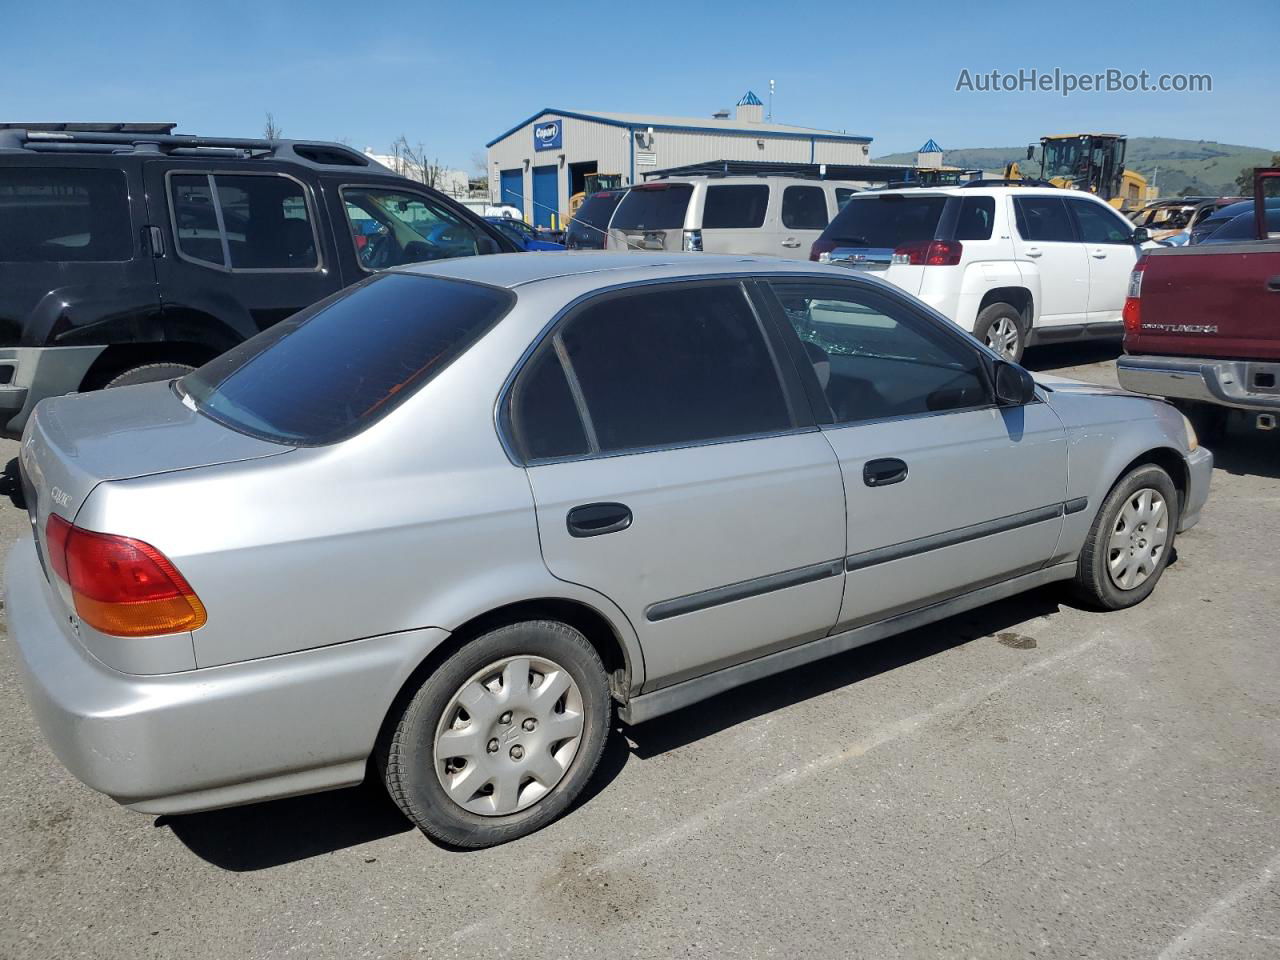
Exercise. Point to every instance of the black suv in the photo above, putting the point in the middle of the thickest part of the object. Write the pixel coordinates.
(129, 253)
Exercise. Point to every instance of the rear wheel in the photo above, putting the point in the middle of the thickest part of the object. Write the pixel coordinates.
(149, 373)
(503, 737)
(1131, 540)
(1000, 326)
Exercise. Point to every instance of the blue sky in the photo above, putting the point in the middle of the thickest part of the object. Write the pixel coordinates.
(454, 75)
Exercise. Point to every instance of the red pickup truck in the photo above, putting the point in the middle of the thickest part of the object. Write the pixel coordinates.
(1202, 326)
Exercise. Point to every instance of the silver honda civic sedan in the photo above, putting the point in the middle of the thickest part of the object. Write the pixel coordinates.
(450, 520)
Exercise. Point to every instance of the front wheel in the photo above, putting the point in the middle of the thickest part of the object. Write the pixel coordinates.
(1001, 328)
(503, 737)
(149, 373)
(1131, 540)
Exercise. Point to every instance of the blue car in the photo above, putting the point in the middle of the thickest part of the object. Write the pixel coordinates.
(523, 235)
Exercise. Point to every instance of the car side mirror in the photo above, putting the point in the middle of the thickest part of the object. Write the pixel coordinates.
(1014, 386)
(1140, 235)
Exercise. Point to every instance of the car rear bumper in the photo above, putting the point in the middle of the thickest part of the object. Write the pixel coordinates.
(1228, 383)
(1199, 473)
(211, 737)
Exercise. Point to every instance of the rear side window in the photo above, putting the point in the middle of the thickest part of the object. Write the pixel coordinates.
(804, 208)
(886, 220)
(544, 415)
(1043, 218)
(730, 206)
(61, 214)
(328, 372)
(976, 216)
(677, 366)
(842, 196)
(653, 207)
(259, 222)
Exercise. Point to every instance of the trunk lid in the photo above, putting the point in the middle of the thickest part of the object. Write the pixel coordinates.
(75, 442)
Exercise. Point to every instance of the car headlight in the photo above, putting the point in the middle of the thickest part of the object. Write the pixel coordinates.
(1192, 440)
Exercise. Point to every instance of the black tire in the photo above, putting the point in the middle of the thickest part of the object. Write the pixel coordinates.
(989, 317)
(408, 760)
(1094, 583)
(148, 373)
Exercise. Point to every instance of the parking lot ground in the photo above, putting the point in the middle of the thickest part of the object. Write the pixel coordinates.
(1027, 780)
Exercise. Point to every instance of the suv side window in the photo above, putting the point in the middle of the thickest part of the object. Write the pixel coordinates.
(63, 214)
(729, 206)
(804, 208)
(656, 368)
(1098, 225)
(1044, 219)
(243, 222)
(874, 359)
(393, 227)
(842, 196)
(976, 217)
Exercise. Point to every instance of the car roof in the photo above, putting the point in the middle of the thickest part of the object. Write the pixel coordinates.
(517, 269)
(963, 191)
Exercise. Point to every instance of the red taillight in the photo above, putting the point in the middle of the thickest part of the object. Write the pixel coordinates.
(121, 586)
(1132, 312)
(819, 248)
(929, 253)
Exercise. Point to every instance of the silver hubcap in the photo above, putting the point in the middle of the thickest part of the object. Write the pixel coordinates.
(508, 735)
(1002, 337)
(1138, 539)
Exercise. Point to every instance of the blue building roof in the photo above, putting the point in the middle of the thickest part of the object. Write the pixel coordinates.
(750, 100)
(930, 147)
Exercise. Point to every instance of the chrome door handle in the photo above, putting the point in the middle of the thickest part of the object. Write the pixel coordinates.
(791, 242)
(1034, 252)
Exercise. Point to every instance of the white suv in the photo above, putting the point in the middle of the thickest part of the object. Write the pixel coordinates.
(1014, 265)
(777, 216)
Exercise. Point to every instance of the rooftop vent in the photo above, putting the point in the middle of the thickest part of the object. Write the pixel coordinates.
(721, 114)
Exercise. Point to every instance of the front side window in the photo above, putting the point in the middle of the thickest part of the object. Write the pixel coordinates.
(63, 214)
(874, 359)
(391, 227)
(243, 222)
(329, 371)
(735, 206)
(1099, 225)
(804, 208)
(1044, 219)
(677, 366)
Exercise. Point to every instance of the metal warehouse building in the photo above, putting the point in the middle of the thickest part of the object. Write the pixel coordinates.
(540, 163)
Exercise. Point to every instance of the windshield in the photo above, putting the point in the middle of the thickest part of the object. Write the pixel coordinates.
(886, 220)
(653, 207)
(1065, 158)
(328, 372)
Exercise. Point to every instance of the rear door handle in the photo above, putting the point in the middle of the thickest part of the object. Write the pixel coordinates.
(881, 473)
(1099, 254)
(1274, 284)
(594, 519)
(791, 242)
(156, 239)
(1034, 252)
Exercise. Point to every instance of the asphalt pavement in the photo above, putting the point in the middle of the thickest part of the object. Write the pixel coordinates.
(1027, 780)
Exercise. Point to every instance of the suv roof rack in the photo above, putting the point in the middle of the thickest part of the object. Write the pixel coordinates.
(1002, 182)
(157, 139)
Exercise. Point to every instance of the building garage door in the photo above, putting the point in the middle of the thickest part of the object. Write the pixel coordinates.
(511, 183)
(546, 195)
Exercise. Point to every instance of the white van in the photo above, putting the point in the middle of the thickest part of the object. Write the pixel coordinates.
(777, 216)
(483, 208)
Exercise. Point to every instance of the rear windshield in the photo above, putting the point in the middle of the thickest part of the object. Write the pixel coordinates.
(886, 220)
(592, 218)
(328, 372)
(659, 207)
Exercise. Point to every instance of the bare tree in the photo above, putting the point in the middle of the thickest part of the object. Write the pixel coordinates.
(414, 162)
(271, 130)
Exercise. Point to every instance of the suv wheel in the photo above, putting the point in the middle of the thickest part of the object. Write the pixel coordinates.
(1131, 540)
(149, 373)
(502, 737)
(1001, 328)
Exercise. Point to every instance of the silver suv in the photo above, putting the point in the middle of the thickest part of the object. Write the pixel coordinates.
(452, 517)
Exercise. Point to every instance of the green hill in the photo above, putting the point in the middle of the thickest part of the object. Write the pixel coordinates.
(1203, 166)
